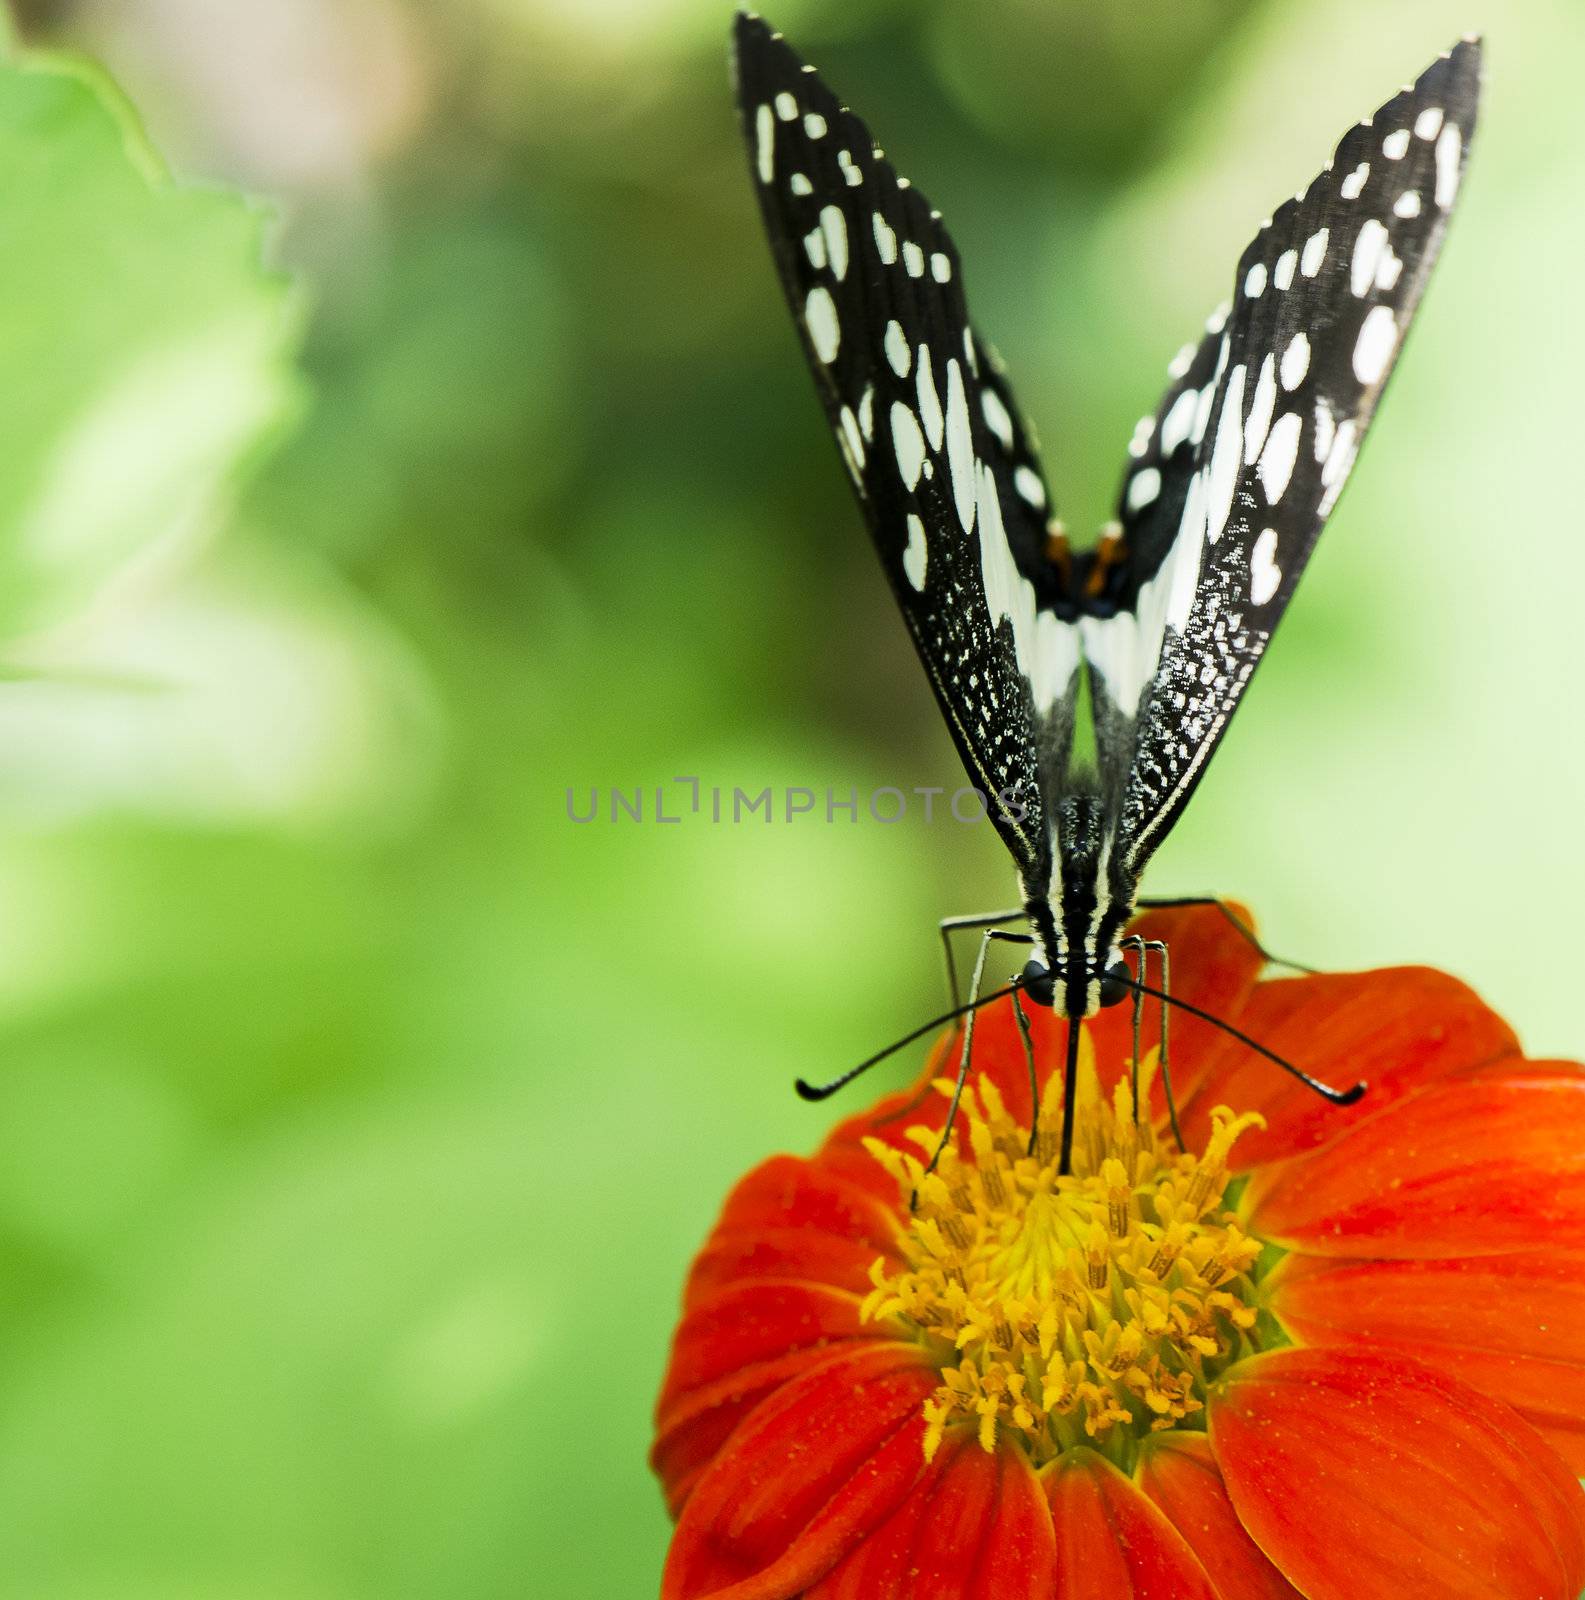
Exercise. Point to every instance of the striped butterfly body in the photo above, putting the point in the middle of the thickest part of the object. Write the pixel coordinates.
(1225, 491)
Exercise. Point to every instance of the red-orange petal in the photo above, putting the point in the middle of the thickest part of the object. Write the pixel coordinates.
(737, 1255)
(746, 1323)
(975, 1527)
(1370, 1476)
(1178, 1471)
(1112, 1542)
(1397, 1029)
(1485, 1164)
(808, 1476)
(789, 1195)
(732, 1349)
(1512, 1326)
(691, 1427)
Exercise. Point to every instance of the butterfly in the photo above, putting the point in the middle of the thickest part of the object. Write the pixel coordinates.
(1226, 487)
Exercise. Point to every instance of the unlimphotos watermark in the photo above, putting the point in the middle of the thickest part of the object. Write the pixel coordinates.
(685, 799)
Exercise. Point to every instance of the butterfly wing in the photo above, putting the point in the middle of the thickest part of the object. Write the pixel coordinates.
(928, 430)
(1252, 444)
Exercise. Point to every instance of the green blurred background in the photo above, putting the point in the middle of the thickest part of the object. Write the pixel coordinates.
(358, 1111)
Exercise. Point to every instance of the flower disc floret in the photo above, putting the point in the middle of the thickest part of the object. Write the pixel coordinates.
(1093, 1307)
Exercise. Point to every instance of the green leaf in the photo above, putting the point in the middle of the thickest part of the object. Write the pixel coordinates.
(145, 349)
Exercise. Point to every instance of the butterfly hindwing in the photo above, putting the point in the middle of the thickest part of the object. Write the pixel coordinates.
(1253, 442)
(928, 430)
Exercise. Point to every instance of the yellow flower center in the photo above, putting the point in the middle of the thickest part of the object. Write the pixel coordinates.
(1093, 1308)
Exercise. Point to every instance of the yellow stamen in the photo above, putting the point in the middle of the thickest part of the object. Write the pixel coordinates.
(1093, 1307)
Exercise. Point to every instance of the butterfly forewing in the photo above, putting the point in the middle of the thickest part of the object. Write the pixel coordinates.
(928, 429)
(1253, 443)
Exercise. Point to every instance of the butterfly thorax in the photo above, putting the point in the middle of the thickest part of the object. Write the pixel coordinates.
(1078, 921)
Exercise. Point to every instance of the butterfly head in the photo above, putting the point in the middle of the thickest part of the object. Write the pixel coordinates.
(1104, 983)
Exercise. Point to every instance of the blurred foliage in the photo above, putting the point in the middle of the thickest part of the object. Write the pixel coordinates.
(358, 1111)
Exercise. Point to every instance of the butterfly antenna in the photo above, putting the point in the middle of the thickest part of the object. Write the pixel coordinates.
(1338, 1097)
(823, 1091)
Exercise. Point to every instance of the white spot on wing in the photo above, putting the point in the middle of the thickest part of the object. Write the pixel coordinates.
(814, 125)
(1180, 363)
(1277, 459)
(1373, 348)
(996, 417)
(1395, 144)
(1448, 146)
(820, 317)
(1314, 252)
(850, 171)
(1218, 318)
(1225, 457)
(799, 184)
(940, 267)
(1368, 246)
(914, 556)
(929, 400)
(852, 437)
(913, 259)
(1027, 482)
(1264, 574)
(1185, 556)
(765, 143)
(1296, 360)
(1339, 459)
(1282, 275)
(909, 444)
(1429, 123)
(1325, 429)
(1143, 488)
(897, 351)
(1260, 409)
(1354, 183)
(867, 412)
(1255, 281)
(960, 446)
(1388, 271)
(885, 240)
(786, 106)
(834, 225)
(815, 248)
(1407, 204)
(1178, 420)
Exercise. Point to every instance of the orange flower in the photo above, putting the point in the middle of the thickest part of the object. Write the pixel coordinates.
(1322, 1352)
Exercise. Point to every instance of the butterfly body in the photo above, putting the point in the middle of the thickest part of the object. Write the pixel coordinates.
(1227, 485)
(1078, 920)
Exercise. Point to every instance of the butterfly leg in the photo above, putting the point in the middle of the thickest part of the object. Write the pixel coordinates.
(1137, 945)
(1143, 949)
(1034, 1080)
(1243, 927)
(968, 1033)
(1160, 948)
(952, 925)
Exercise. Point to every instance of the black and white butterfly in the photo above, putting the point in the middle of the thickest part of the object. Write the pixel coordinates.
(1224, 494)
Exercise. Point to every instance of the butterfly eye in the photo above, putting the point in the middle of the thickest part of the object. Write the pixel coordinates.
(1116, 983)
(1038, 984)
